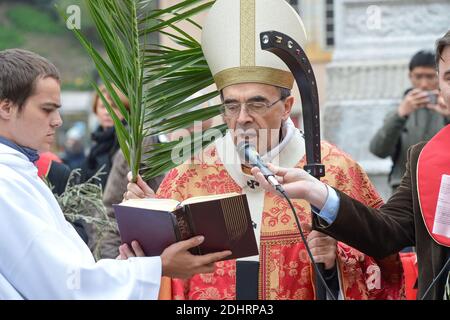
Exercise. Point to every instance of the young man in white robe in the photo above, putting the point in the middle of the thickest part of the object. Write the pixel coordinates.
(41, 254)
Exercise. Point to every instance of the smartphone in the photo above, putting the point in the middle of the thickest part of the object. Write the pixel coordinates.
(433, 97)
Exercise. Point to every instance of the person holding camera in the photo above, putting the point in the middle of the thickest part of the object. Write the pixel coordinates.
(420, 115)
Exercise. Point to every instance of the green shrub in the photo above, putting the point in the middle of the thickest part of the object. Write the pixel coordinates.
(28, 19)
(10, 38)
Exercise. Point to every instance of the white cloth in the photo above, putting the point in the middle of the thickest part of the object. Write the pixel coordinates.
(7, 291)
(41, 254)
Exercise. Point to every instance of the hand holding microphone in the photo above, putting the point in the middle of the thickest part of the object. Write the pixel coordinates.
(296, 182)
(248, 154)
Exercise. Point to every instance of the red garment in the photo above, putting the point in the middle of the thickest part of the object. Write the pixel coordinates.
(433, 164)
(285, 269)
(409, 262)
(43, 164)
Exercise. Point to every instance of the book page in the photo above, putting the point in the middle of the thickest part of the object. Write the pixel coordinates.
(208, 198)
(152, 204)
(442, 218)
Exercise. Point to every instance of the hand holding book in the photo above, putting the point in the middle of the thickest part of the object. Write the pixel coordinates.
(176, 260)
(224, 220)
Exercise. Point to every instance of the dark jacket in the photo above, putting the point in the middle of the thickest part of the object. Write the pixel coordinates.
(396, 225)
(104, 147)
(398, 134)
(58, 175)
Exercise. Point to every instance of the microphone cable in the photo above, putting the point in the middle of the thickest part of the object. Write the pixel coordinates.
(280, 189)
(436, 279)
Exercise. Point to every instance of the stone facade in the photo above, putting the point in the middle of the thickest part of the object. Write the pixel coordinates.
(368, 75)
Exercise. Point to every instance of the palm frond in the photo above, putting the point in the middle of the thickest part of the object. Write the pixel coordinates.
(159, 81)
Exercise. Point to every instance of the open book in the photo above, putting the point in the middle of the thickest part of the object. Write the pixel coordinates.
(223, 219)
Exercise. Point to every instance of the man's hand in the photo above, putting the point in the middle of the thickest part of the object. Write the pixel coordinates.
(178, 262)
(138, 190)
(440, 107)
(126, 252)
(323, 248)
(297, 183)
(415, 99)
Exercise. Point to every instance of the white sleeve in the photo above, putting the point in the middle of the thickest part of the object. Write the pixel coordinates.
(54, 268)
(42, 257)
(7, 291)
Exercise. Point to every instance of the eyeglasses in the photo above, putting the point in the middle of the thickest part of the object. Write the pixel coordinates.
(234, 108)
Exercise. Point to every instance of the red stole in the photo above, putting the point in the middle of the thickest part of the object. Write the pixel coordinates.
(434, 161)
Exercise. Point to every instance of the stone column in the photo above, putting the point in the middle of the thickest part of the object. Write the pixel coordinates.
(368, 75)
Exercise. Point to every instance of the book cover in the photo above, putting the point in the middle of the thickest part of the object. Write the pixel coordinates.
(224, 221)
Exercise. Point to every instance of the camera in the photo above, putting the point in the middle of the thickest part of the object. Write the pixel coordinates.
(432, 97)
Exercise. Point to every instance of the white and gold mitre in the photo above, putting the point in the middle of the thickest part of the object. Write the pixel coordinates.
(230, 41)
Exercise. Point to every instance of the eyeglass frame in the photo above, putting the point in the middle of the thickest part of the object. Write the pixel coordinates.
(267, 107)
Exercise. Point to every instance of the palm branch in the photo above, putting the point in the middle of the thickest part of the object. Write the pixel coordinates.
(159, 81)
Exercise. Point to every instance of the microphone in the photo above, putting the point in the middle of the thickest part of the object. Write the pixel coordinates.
(248, 154)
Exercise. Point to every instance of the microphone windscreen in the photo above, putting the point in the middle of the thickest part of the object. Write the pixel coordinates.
(240, 148)
(247, 152)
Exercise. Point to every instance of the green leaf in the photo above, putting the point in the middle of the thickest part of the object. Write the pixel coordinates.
(159, 81)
